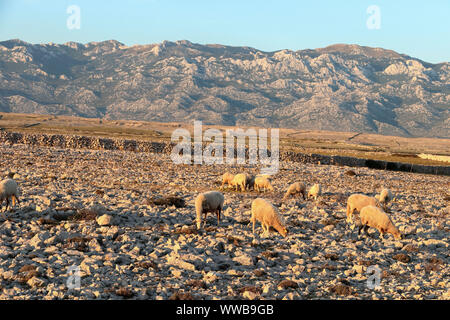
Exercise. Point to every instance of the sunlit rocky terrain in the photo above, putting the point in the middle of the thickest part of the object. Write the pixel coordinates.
(127, 220)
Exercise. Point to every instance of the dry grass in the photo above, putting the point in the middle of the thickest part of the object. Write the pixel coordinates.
(253, 289)
(331, 256)
(124, 292)
(147, 265)
(269, 254)
(187, 230)
(259, 273)
(27, 272)
(402, 257)
(411, 248)
(179, 295)
(341, 289)
(285, 284)
(194, 283)
(167, 201)
(84, 215)
(77, 243)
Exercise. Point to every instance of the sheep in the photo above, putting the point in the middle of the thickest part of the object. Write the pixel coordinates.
(268, 215)
(240, 180)
(262, 182)
(315, 191)
(295, 188)
(227, 178)
(375, 217)
(250, 183)
(8, 189)
(358, 201)
(384, 197)
(211, 201)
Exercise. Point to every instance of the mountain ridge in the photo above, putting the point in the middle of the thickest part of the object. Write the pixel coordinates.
(342, 87)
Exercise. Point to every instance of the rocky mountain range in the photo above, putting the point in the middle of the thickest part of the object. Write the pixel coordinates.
(340, 87)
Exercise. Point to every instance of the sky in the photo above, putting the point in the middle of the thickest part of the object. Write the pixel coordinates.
(420, 29)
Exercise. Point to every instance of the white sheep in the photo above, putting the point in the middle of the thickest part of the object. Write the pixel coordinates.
(262, 182)
(295, 188)
(375, 217)
(315, 191)
(8, 189)
(227, 178)
(358, 201)
(211, 201)
(240, 180)
(384, 197)
(264, 212)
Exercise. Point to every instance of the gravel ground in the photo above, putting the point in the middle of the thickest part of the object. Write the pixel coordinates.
(95, 210)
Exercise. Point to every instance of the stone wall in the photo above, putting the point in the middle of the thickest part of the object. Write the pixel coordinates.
(98, 143)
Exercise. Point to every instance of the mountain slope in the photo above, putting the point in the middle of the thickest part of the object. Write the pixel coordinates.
(340, 87)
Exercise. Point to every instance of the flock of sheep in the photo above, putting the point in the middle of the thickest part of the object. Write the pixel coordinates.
(371, 209)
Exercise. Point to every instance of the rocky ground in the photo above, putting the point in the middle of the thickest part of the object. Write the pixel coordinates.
(99, 211)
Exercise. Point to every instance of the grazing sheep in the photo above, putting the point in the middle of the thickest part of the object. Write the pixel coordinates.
(315, 191)
(250, 183)
(227, 178)
(211, 201)
(295, 188)
(8, 189)
(375, 217)
(262, 182)
(384, 197)
(240, 180)
(358, 201)
(267, 214)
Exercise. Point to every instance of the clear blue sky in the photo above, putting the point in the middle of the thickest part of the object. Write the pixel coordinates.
(417, 28)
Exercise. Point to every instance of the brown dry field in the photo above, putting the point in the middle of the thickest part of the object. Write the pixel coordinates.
(354, 144)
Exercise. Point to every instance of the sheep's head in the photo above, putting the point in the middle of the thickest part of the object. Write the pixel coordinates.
(378, 203)
(394, 231)
(397, 234)
(283, 231)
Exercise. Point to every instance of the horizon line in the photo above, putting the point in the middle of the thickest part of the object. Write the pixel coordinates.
(224, 45)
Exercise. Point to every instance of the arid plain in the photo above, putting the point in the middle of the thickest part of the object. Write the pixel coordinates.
(127, 220)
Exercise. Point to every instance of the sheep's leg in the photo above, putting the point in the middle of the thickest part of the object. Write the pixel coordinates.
(359, 229)
(266, 231)
(381, 233)
(7, 204)
(349, 214)
(204, 219)
(218, 216)
(3, 213)
(366, 231)
(15, 200)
